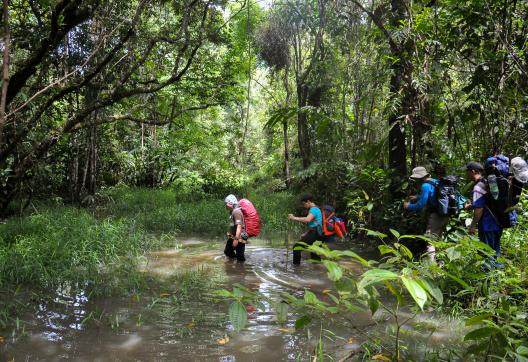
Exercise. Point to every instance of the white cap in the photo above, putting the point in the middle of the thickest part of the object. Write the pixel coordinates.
(519, 169)
(231, 199)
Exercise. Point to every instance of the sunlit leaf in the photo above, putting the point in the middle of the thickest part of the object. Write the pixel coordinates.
(433, 290)
(310, 297)
(374, 276)
(335, 272)
(385, 249)
(415, 290)
(453, 253)
(395, 233)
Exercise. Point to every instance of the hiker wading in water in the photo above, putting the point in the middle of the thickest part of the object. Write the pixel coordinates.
(237, 236)
(436, 224)
(314, 221)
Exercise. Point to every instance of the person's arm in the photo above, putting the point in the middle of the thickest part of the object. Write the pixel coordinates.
(305, 219)
(422, 200)
(236, 238)
(477, 215)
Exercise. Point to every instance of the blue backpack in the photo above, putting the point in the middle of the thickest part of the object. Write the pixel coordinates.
(448, 201)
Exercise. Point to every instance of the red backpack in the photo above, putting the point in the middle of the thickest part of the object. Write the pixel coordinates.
(251, 217)
(331, 224)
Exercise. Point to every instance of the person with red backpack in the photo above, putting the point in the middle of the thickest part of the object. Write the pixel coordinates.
(244, 222)
(314, 221)
(237, 236)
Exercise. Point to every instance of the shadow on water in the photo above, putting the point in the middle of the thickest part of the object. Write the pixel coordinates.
(179, 324)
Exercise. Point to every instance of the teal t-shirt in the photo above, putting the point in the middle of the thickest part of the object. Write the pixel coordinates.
(316, 212)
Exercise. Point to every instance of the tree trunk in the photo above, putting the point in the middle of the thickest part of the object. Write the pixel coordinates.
(285, 131)
(397, 148)
(5, 69)
(303, 134)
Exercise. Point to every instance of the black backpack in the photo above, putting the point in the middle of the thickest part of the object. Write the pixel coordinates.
(447, 199)
(499, 207)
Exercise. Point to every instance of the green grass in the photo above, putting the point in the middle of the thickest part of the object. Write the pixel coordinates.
(97, 248)
(162, 211)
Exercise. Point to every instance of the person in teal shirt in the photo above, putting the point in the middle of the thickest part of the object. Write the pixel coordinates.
(314, 221)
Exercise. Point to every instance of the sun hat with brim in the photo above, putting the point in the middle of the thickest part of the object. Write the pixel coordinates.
(419, 172)
(519, 169)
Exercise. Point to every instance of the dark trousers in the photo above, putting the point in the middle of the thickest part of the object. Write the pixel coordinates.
(237, 252)
(309, 238)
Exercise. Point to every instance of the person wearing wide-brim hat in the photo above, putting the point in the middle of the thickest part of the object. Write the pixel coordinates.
(436, 223)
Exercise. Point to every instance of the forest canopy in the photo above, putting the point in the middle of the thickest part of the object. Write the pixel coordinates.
(211, 96)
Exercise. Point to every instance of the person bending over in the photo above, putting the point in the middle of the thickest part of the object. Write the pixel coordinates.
(314, 221)
(237, 236)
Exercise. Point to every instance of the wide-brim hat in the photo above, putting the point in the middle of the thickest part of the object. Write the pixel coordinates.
(419, 173)
(519, 169)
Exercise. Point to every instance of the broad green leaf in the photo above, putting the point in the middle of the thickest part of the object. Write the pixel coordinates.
(395, 233)
(481, 333)
(238, 315)
(522, 350)
(453, 253)
(302, 322)
(335, 272)
(433, 290)
(406, 252)
(374, 276)
(375, 233)
(394, 292)
(478, 319)
(456, 279)
(373, 304)
(351, 254)
(345, 286)
(281, 312)
(415, 290)
(310, 297)
(385, 249)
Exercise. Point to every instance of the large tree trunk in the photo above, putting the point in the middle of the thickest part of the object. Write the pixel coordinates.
(5, 69)
(397, 148)
(303, 133)
(285, 130)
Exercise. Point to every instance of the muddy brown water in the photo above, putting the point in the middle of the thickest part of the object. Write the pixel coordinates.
(75, 327)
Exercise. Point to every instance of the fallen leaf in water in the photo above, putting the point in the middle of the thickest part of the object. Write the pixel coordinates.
(223, 341)
(326, 291)
(350, 340)
(380, 357)
(287, 330)
(164, 295)
(2, 339)
(190, 325)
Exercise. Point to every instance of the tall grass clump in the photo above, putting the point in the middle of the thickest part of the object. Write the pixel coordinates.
(163, 211)
(64, 244)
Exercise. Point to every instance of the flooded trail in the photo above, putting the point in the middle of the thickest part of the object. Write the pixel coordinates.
(177, 326)
(166, 327)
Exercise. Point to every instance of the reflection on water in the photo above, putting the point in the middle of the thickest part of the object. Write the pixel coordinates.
(165, 328)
